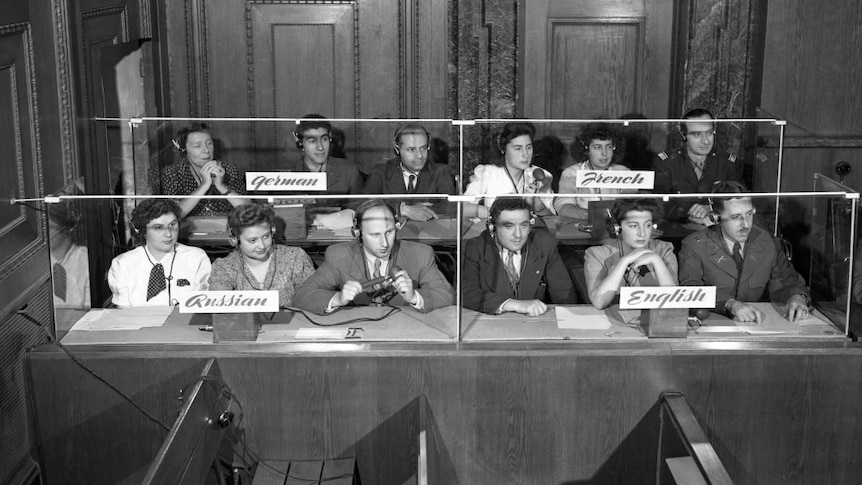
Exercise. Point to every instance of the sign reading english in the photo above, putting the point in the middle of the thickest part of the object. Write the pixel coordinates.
(615, 179)
(230, 302)
(286, 181)
(649, 297)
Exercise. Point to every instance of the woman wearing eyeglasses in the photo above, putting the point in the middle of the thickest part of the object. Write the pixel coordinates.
(597, 142)
(160, 271)
(258, 262)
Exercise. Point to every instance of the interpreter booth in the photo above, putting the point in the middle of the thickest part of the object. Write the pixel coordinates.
(462, 360)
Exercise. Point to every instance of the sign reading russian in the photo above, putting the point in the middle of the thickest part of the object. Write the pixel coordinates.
(647, 297)
(615, 179)
(293, 181)
(230, 302)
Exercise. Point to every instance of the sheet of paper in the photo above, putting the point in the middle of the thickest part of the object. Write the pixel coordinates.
(339, 220)
(321, 333)
(123, 319)
(570, 320)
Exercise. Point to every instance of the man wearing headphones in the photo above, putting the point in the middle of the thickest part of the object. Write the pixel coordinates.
(597, 141)
(510, 267)
(741, 260)
(695, 168)
(376, 268)
(313, 136)
(634, 259)
(410, 173)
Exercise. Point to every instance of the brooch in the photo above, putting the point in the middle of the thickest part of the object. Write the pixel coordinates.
(183, 282)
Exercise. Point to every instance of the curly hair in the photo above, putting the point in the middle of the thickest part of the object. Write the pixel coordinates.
(248, 215)
(624, 206)
(594, 131)
(152, 209)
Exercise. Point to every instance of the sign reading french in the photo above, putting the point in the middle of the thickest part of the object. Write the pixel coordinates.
(305, 181)
(648, 297)
(615, 179)
(230, 302)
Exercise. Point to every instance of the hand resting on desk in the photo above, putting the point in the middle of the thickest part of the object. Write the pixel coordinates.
(532, 308)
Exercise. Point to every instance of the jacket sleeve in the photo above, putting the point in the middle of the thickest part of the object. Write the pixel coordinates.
(374, 184)
(314, 294)
(560, 287)
(474, 294)
(431, 284)
(784, 281)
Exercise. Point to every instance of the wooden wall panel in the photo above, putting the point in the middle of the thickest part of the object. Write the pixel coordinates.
(594, 68)
(558, 415)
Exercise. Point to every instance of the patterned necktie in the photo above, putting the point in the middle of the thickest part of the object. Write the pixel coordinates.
(376, 273)
(511, 271)
(157, 281)
(737, 256)
(59, 275)
(411, 184)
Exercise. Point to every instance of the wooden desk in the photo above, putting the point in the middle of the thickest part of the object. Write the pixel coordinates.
(184, 328)
(625, 325)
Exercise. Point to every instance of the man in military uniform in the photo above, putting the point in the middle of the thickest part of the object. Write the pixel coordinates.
(695, 168)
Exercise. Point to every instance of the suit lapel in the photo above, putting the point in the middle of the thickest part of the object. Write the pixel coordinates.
(396, 180)
(499, 280)
(531, 271)
(755, 254)
(358, 267)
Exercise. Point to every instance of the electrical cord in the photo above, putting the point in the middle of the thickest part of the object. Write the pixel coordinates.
(392, 309)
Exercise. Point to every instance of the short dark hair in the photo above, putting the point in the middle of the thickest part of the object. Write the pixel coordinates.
(248, 215)
(311, 121)
(150, 209)
(359, 214)
(624, 206)
(693, 113)
(726, 187)
(595, 131)
(514, 130)
(183, 134)
(507, 204)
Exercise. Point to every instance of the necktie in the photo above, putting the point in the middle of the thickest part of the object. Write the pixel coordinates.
(59, 275)
(511, 271)
(737, 256)
(157, 281)
(411, 184)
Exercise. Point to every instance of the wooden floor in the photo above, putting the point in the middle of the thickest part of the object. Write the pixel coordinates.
(559, 413)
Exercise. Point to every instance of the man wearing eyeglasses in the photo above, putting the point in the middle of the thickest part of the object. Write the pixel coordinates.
(313, 135)
(512, 268)
(742, 261)
(410, 173)
(695, 168)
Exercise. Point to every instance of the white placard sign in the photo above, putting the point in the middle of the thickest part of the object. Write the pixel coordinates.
(615, 179)
(292, 181)
(230, 302)
(648, 297)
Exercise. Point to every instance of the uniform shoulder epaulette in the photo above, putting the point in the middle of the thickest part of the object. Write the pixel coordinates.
(662, 155)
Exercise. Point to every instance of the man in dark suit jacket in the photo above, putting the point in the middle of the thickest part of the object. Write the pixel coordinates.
(410, 173)
(510, 267)
(741, 260)
(313, 137)
(695, 168)
(404, 272)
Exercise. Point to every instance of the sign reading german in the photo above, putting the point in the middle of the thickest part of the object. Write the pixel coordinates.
(286, 181)
(615, 179)
(648, 297)
(230, 302)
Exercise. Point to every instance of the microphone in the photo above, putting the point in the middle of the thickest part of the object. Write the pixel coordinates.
(539, 175)
(381, 279)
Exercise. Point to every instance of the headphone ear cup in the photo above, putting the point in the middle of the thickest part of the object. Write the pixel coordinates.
(397, 149)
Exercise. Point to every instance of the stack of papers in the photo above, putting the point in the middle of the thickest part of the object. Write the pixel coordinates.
(123, 319)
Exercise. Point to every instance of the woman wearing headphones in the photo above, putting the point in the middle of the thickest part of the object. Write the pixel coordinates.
(258, 263)
(514, 174)
(597, 141)
(198, 173)
(635, 259)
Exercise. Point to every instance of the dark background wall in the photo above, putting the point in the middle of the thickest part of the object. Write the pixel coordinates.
(793, 59)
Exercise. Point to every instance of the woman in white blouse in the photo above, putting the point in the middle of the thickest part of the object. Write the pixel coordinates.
(513, 174)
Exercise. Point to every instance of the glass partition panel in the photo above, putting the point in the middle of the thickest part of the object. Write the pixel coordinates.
(529, 276)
